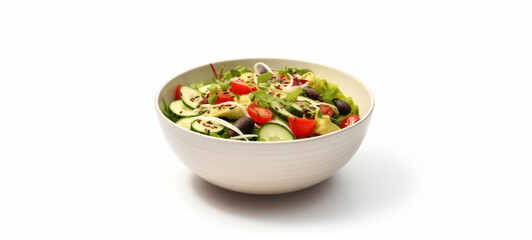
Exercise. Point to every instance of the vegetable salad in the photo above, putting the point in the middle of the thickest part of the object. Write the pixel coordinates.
(262, 104)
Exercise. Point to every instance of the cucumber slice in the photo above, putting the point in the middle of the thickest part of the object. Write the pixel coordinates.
(302, 105)
(185, 122)
(294, 111)
(206, 127)
(274, 132)
(190, 97)
(280, 110)
(179, 109)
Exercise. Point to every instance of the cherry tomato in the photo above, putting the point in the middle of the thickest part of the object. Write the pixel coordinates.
(258, 114)
(349, 120)
(224, 97)
(326, 110)
(240, 87)
(301, 127)
(178, 92)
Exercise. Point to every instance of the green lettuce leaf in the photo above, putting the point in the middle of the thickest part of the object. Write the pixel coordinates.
(329, 91)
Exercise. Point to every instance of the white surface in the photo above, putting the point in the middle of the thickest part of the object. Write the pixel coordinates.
(446, 155)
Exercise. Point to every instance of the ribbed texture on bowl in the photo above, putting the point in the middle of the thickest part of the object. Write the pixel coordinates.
(272, 167)
(264, 168)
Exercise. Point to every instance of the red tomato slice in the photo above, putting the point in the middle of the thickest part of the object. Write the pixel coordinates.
(326, 110)
(258, 114)
(178, 92)
(240, 87)
(349, 120)
(301, 127)
(224, 97)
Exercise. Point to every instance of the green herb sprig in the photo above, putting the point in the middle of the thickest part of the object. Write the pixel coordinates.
(168, 113)
(293, 95)
(294, 71)
(265, 77)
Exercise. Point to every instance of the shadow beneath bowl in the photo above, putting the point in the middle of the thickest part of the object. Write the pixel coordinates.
(262, 206)
(371, 182)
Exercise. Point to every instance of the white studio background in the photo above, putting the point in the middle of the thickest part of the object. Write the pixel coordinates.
(446, 157)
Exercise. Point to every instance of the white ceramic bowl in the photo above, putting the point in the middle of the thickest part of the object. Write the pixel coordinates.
(267, 167)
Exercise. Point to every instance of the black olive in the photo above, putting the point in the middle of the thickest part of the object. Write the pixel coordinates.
(261, 69)
(343, 106)
(312, 94)
(245, 124)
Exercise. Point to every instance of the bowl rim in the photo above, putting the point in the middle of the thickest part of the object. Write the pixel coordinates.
(329, 135)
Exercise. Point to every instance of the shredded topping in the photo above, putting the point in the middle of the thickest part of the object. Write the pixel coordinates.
(230, 103)
(285, 87)
(222, 122)
(244, 136)
(290, 84)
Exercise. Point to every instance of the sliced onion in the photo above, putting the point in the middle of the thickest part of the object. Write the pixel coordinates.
(295, 87)
(244, 136)
(289, 86)
(242, 108)
(222, 122)
(289, 90)
(255, 72)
